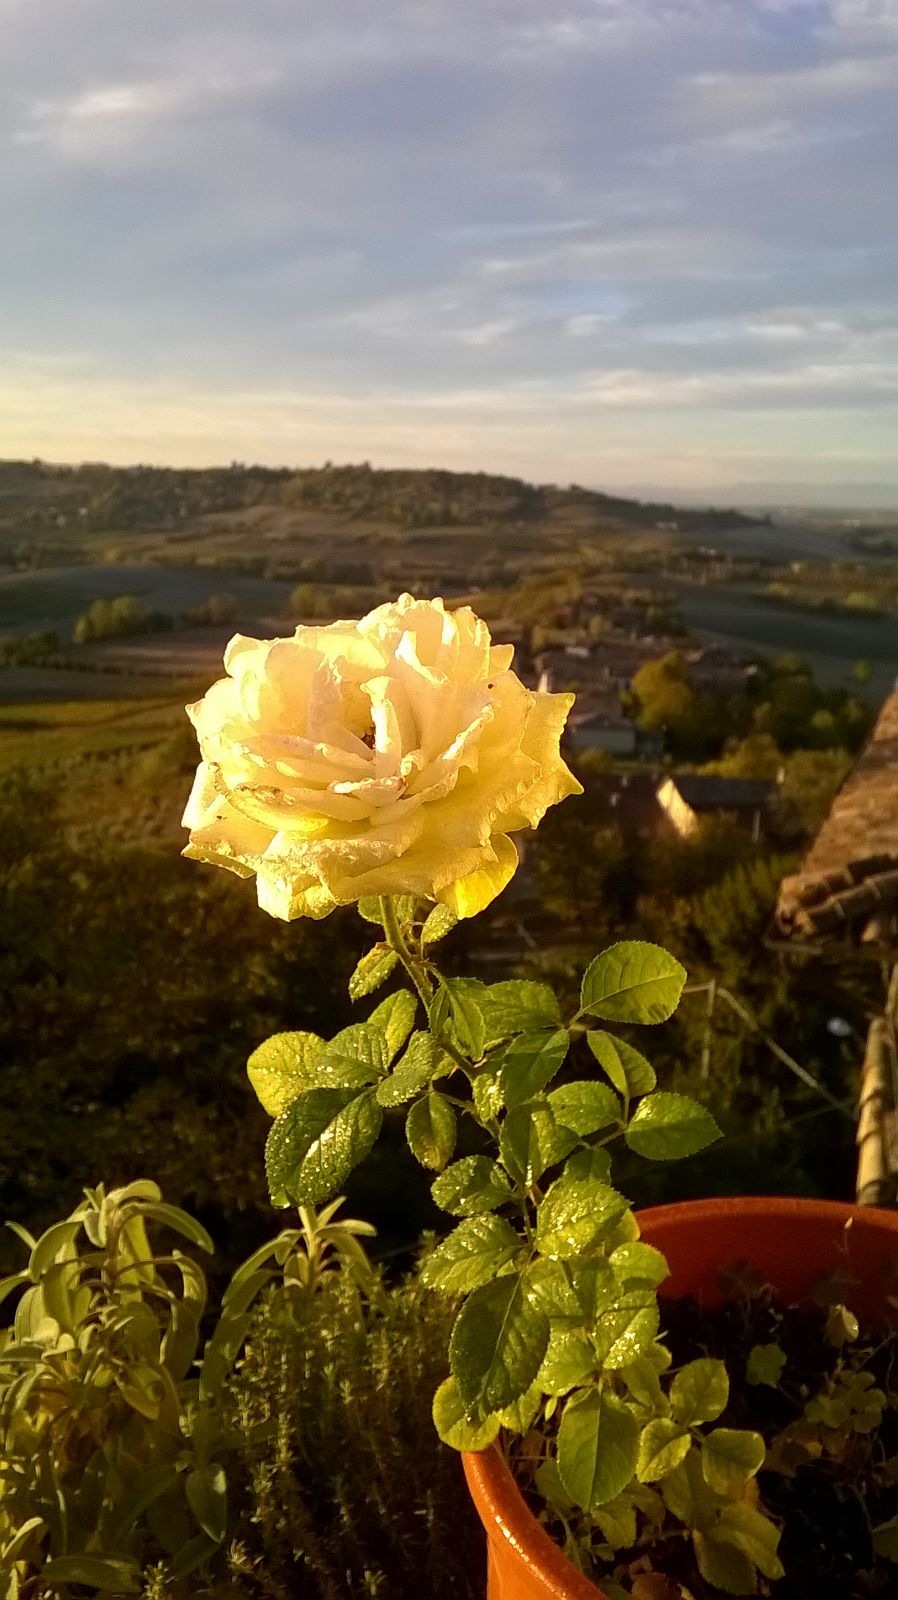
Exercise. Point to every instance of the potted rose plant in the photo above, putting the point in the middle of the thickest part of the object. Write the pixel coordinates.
(387, 764)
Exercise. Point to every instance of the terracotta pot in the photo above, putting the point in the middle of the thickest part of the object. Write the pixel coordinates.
(791, 1242)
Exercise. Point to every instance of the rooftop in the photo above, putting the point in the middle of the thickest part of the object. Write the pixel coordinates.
(722, 794)
(849, 878)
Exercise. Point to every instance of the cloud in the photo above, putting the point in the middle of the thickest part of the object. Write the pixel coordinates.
(311, 221)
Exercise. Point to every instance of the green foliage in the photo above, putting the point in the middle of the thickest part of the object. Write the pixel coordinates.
(559, 1311)
(109, 1449)
(128, 1449)
(111, 619)
(218, 608)
(342, 1486)
(123, 1021)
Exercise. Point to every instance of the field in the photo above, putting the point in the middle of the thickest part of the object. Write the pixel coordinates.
(54, 598)
(746, 619)
(58, 733)
(353, 537)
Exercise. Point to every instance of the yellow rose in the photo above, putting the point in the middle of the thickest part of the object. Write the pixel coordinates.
(388, 756)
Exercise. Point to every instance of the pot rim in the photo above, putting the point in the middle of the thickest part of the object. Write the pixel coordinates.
(499, 1502)
(498, 1499)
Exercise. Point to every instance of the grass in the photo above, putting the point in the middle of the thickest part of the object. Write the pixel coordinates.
(52, 732)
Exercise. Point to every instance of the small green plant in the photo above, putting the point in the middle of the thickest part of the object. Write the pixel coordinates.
(348, 1490)
(114, 1434)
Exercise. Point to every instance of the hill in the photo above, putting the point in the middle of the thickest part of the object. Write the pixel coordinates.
(58, 508)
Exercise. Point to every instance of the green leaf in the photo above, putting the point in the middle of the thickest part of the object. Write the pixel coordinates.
(206, 1489)
(394, 1019)
(369, 909)
(569, 1362)
(530, 1141)
(633, 982)
(517, 1006)
(422, 1062)
(598, 1444)
(617, 1521)
(639, 1263)
(574, 1215)
(473, 1254)
(520, 1416)
(57, 1237)
(766, 1363)
(487, 1095)
(627, 1324)
(663, 1444)
(180, 1222)
(12, 1552)
(192, 1554)
(440, 921)
(700, 1391)
(313, 1147)
(497, 1344)
(748, 1530)
(471, 1185)
(454, 1424)
(96, 1572)
(589, 1166)
(352, 1059)
(575, 1291)
(885, 1540)
(282, 1068)
(730, 1456)
(585, 1106)
(430, 1130)
(723, 1566)
(627, 1069)
(14, 1281)
(373, 970)
(529, 1062)
(550, 1488)
(666, 1127)
(842, 1326)
(688, 1497)
(570, 1292)
(456, 1015)
(404, 906)
(643, 1383)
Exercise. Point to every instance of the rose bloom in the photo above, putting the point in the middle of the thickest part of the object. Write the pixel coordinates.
(393, 755)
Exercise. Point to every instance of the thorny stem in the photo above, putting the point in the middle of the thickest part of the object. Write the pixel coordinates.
(396, 942)
(415, 971)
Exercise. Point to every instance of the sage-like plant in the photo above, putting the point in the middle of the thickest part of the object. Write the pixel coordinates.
(114, 1433)
(557, 1338)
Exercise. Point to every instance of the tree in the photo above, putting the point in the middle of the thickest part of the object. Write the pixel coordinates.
(109, 619)
(695, 724)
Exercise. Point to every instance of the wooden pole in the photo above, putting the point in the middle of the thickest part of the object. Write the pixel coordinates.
(875, 1183)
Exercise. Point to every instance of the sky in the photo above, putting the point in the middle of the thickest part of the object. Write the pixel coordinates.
(635, 244)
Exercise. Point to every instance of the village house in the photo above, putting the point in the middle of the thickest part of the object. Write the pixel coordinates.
(612, 663)
(687, 799)
(602, 725)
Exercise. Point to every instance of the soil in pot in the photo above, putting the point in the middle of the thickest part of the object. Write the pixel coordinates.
(826, 1404)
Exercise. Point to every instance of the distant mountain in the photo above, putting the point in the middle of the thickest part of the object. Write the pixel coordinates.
(791, 495)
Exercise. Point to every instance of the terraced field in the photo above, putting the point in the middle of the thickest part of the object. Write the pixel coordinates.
(65, 732)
